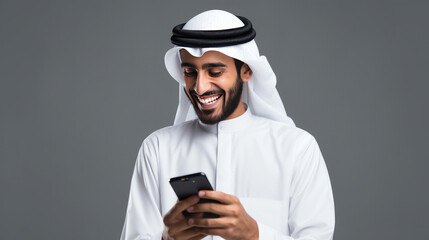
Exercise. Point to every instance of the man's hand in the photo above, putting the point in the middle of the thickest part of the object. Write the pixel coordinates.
(176, 224)
(233, 222)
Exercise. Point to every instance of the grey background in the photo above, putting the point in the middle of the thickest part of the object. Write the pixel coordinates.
(83, 83)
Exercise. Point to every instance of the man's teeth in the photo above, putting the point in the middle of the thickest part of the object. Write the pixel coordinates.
(208, 100)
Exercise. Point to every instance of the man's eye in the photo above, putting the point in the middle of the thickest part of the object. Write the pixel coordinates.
(215, 74)
(189, 73)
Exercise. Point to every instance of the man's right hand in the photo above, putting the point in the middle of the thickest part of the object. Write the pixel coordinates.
(176, 225)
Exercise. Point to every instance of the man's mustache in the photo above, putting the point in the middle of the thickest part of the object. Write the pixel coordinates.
(208, 93)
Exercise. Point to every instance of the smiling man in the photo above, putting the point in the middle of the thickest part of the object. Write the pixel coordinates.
(269, 176)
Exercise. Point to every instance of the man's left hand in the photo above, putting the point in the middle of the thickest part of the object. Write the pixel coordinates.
(233, 222)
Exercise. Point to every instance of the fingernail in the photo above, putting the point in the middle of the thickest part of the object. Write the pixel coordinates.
(191, 221)
(201, 193)
(190, 209)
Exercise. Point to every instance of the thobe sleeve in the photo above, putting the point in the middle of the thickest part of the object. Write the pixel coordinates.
(311, 206)
(143, 217)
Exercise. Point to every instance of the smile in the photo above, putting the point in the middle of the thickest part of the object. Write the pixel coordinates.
(208, 102)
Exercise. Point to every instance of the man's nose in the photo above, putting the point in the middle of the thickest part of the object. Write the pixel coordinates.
(203, 84)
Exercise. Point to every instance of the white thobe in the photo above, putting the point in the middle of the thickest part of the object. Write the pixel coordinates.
(276, 171)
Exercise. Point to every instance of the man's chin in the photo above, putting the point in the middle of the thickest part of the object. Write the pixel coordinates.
(208, 116)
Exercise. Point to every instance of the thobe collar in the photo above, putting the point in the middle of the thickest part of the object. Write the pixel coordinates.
(230, 125)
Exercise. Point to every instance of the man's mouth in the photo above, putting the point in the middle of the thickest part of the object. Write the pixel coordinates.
(208, 102)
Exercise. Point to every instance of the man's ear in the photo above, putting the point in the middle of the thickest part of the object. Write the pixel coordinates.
(246, 72)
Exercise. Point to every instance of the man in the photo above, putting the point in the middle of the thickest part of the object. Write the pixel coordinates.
(269, 176)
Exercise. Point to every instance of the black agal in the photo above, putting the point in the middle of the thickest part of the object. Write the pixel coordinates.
(213, 38)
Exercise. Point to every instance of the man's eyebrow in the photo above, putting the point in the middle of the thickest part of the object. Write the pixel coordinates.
(217, 64)
(205, 65)
(186, 64)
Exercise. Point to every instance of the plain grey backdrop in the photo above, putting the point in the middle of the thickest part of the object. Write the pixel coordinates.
(83, 83)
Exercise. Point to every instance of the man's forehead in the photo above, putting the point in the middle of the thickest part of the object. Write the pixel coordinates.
(209, 56)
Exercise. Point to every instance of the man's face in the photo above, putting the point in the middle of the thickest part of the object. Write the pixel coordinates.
(212, 84)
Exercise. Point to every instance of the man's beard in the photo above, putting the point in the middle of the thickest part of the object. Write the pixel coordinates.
(228, 106)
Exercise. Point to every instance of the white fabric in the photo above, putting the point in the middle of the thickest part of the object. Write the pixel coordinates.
(259, 93)
(276, 170)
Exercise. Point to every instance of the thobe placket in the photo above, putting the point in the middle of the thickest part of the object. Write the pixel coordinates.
(223, 161)
(224, 180)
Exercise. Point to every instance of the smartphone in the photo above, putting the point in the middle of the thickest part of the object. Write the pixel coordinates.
(189, 185)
